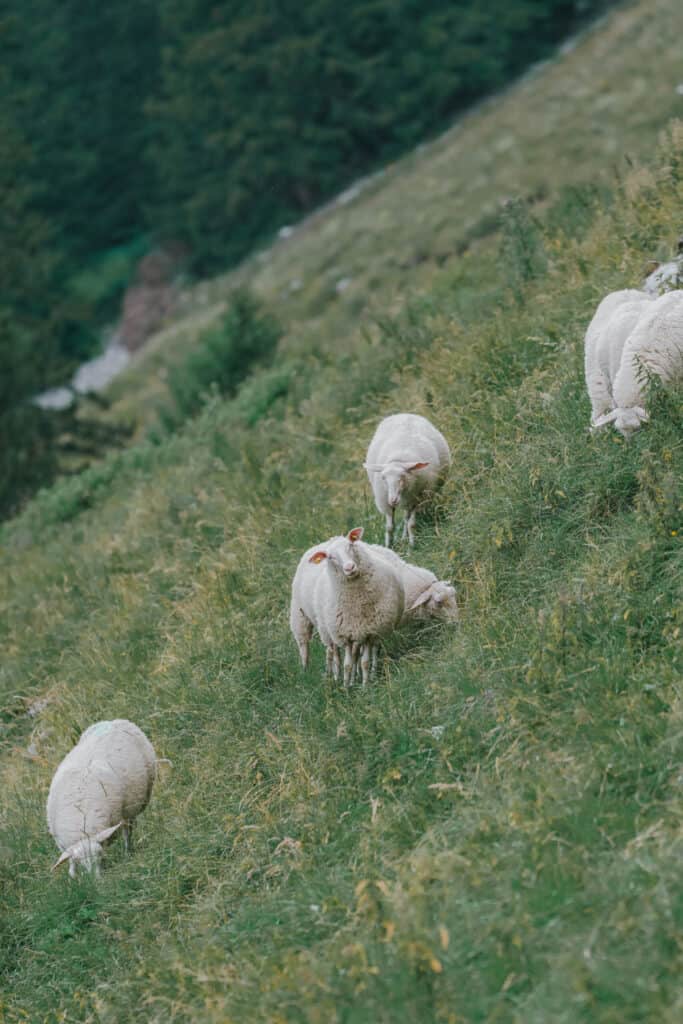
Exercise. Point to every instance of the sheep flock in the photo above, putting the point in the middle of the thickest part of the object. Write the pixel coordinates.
(354, 594)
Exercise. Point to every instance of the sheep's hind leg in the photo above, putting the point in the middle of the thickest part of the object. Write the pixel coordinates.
(389, 528)
(127, 833)
(374, 658)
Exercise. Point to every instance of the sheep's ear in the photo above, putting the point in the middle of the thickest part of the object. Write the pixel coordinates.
(416, 465)
(608, 417)
(422, 599)
(102, 836)
(355, 534)
(318, 557)
(66, 856)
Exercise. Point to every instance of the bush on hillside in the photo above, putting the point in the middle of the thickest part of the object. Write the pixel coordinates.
(224, 356)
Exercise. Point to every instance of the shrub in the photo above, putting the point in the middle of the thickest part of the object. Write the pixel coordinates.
(224, 357)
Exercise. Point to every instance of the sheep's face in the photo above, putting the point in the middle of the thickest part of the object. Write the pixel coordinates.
(629, 420)
(626, 420)
(396, 476)
(438, 601)
(342, 555)
(86, 855)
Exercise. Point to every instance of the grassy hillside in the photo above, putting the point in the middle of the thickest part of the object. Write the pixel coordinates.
(568, 125)
(492, 830)
(315, 855)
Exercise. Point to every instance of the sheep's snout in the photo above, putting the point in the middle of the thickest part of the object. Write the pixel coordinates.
(350, 569)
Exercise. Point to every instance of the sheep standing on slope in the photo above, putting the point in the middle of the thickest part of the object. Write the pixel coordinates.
(654, 347)
(100, 786)
(614, 319)
(424, 597)
(408, 459)
(358, 599)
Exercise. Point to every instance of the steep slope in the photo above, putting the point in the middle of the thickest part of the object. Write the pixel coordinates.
(492, 831)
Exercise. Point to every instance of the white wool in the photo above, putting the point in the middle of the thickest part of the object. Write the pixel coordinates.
(425, 596)
(303, 619)
(653, 348)
(407, 460)
(102, 784)
(607, 332)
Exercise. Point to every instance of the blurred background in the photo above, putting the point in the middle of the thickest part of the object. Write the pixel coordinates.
(147, 142)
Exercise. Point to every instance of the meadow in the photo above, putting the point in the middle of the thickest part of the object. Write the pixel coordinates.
(491, 831)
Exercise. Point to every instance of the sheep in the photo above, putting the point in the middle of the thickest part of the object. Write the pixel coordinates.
(358, 598)
(666, 275)
(653, 348)
(101, 786)
(407, 460)
(302, 614)
(606, 335)
(425, 596)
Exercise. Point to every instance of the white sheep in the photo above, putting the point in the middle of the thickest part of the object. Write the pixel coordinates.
(425, 596)
(653, 348)
(357, 599)
(407, 460)
(302, 614)
(101, 786)
(606, 335)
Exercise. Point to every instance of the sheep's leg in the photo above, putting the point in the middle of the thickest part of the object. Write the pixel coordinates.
(127, 833)
(357, 651)
(336, 662)
(329, 660)
(303, 652)
(410, 527)
(389, 528)
(373, 658)
(303, 631)
(72, 869)
(348, 665)
(365, 661)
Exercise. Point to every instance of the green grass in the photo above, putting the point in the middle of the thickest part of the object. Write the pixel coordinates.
(314, 855)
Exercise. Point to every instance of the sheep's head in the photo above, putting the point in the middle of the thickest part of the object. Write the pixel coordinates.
(626, 421)
(396, 476)
(438, 601)
(86, 853)
(341, 554)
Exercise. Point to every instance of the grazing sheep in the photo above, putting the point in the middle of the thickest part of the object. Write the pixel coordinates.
(302, 614)
(425, 596)
(408, 459)
(358, 598)
(99, 787)
(667, 275)
(653, 348)
(607, 332)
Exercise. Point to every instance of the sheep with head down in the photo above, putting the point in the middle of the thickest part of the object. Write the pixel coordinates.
(407, 461)
(99, 788)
